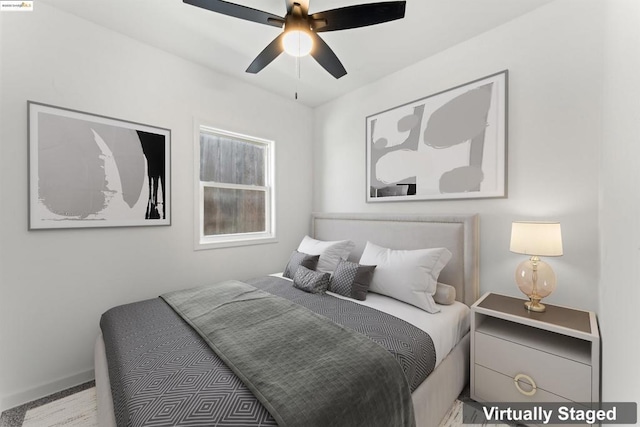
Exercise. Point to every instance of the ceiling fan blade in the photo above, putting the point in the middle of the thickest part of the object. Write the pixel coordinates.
(360, 15)
(238, 11)
(322, 53)
(271, 52)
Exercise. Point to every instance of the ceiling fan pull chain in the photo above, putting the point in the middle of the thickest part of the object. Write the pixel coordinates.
(297, 75)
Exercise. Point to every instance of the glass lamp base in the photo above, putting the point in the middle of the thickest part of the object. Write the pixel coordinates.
(535, 305)
(536, 280)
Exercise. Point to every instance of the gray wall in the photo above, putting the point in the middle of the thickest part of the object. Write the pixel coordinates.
(54, 284)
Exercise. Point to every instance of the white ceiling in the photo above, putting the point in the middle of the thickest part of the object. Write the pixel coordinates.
(228, 45)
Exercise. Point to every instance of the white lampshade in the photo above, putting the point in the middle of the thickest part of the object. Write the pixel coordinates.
(297, 43)
(536, 238)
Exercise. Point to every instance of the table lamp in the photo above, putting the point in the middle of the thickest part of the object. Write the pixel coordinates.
(534, 277)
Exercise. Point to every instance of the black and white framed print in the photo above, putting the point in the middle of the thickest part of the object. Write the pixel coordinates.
(87, 170)
(450, 145)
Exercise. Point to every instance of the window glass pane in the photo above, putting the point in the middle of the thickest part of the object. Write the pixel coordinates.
(231, 161)
(228, 211)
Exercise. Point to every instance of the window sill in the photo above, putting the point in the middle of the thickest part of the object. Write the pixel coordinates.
(230, 243)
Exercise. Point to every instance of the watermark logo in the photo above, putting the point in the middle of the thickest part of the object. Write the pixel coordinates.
(16, 6)
(550, 413)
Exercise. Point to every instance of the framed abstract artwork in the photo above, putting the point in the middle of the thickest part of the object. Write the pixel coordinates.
(87, 170)
(450, 145)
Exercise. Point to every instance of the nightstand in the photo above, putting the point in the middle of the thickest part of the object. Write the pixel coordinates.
(522, 356)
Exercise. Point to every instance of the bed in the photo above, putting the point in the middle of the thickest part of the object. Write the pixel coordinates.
(457, 233)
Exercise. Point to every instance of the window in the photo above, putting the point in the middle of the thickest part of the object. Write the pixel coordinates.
(235, 189)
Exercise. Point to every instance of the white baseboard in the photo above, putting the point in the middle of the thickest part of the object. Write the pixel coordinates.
(17, 399)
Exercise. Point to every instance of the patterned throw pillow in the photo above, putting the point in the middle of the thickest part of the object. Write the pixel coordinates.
(351, 279)
(315, 282)
(297, 259)
(331, 252)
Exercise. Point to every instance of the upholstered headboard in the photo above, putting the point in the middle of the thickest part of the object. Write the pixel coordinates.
(458, 233)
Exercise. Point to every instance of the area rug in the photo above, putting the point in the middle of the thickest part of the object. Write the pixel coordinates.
(77, 410)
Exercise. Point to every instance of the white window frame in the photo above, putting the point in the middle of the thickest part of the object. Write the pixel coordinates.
(237, 239)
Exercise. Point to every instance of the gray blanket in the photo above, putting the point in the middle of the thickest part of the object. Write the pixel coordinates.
(303, 368)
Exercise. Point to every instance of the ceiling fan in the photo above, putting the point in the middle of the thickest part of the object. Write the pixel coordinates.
(299, 36)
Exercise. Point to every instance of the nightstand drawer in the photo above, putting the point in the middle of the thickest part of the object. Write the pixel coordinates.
(492, 386)
(550, 372)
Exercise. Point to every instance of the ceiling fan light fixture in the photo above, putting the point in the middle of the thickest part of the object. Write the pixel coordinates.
(300, 36)
(297, 43)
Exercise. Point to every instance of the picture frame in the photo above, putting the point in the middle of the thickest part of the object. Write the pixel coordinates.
(446, 146)
(88, 170)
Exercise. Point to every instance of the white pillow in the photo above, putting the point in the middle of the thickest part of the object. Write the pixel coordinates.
(409, 276)
(330, 252)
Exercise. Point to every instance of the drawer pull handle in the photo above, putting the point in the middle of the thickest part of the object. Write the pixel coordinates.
(528, 379)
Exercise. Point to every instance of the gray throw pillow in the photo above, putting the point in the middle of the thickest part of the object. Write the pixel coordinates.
(297, 259)
(315, 282)
(351, 279)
